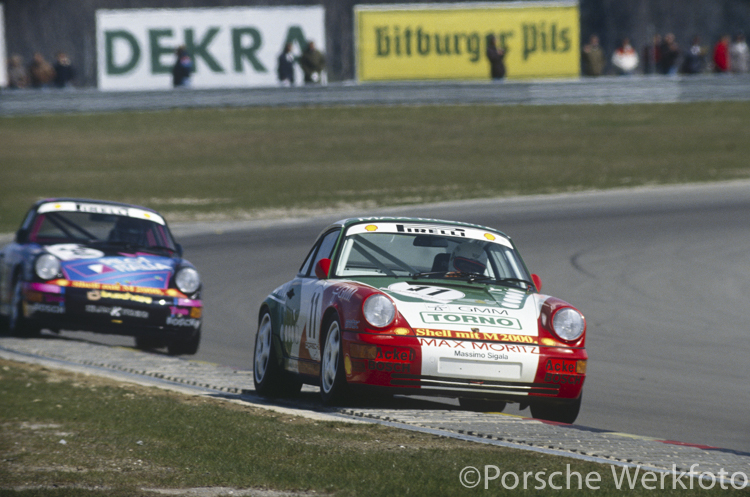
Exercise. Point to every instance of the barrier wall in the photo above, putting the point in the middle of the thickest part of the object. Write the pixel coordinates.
(448, 41)
(231, 47)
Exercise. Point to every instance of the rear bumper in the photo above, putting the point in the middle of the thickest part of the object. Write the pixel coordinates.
(116, 312)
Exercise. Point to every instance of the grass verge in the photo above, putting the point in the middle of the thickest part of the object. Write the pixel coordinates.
(209, 164)
(66, 434)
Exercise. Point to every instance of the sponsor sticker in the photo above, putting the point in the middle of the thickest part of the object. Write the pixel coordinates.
(426, 292)
(470, 319)
(183, 322)
(104, 294)
(115, 311)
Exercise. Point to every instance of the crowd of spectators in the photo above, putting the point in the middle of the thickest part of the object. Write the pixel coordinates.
(40, 73)
(664, 56)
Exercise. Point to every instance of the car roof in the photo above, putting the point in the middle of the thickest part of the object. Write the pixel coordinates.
(91, 201)
(344, 223)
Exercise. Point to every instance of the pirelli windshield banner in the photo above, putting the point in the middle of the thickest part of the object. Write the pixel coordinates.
(449, 41)
(229, 47)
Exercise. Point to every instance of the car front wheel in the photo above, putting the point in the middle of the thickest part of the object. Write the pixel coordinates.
(18, 324)
(332, 376)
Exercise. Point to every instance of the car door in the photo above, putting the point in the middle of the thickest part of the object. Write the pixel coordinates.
(300, 328)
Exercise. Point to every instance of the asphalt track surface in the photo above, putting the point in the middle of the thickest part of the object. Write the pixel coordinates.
(661, 274)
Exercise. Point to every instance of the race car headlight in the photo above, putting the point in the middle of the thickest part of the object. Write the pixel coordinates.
(47, 266)
(568, 324)
(379, 310)
(187, 280)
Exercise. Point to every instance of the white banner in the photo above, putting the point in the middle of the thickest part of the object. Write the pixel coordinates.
(3, 59)
(230, 47)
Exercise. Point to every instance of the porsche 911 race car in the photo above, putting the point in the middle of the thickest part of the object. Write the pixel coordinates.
(422, 307)
(104, 267)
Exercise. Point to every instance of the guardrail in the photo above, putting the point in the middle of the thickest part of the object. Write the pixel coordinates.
(604, 90)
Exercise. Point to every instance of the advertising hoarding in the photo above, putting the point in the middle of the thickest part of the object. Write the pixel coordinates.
(449, 41)
(230, 47)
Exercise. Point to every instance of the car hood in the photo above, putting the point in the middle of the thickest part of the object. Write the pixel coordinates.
(447, 310)
(82, 263)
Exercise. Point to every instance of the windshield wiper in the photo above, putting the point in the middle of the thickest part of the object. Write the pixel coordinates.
(528, 283)
(470, 277)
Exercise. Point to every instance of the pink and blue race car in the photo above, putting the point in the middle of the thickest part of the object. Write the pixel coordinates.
(104, 267)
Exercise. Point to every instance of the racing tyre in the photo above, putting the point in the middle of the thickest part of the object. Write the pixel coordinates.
(481, 405)
(269, 377)
(560, 411)
(333, 385)
(185, 346)
(18, 324)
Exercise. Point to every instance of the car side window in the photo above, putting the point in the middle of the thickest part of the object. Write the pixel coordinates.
(322, 249)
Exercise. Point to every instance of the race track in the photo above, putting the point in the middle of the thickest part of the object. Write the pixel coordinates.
(661, 274)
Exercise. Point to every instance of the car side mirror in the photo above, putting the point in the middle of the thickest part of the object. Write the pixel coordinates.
(322, 268)
(22, 235)
(537, 282)
(178, 249)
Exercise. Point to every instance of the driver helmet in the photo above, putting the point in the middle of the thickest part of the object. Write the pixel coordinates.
(469, 257)
(128, 230)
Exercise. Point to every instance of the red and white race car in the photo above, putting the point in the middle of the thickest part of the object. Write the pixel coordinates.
(422, 307)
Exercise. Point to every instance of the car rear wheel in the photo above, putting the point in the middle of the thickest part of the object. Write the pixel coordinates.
(269, 377)
(559, 411)
(18, 324)
(332, 376)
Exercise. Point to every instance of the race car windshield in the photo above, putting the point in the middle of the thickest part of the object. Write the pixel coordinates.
(418, 256)
(99, 229)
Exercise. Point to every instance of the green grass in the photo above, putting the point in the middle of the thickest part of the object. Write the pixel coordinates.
(121, 438)
(240, 163)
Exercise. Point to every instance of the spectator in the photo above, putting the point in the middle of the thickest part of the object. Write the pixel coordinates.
(739, 56)
(312, 63)
(17, 76)
(693, 62)
(64, 71)
(721, 55)
(593, 57)
(182, 68)
(285, 69)
(652, 56)
(625, 58)
(670, 53)
(496, 56)
(41, 72)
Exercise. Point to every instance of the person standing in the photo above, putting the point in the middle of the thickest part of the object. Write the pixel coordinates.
(496, 56)
(593, 57)
(18, 77)
(313, 63)
(721, 55)
(739, 55)
(64, 71)
(41, 72)
(669, 53)
(625, 58)
(285, 66)
(182, 68)
(693, 62)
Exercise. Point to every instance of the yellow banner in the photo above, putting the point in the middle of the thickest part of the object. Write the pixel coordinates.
(449, 41)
